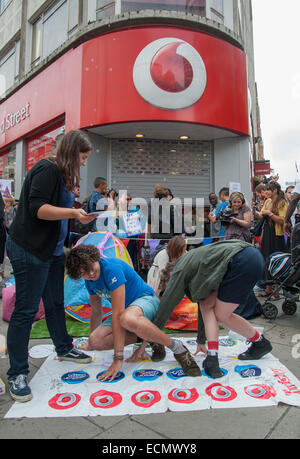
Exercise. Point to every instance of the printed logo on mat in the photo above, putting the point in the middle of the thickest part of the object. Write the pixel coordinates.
(64, 401)
(183, 395)
(221, 393)
(146, 375)
(105, 399)
(146, 398)
(170, 73)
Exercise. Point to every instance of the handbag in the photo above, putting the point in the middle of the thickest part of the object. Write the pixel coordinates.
(256, 231)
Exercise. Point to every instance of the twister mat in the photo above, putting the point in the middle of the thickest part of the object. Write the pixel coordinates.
(63, 389)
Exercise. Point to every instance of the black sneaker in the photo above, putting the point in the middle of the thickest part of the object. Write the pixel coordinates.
(74, 355)
(212, 368)
(19, 389)
(257, 350)
(188, 364)
(158, 352)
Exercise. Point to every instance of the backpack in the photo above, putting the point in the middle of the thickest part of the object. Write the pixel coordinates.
(82, 228)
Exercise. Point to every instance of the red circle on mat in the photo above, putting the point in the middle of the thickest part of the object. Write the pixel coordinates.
(260, 391)
(221, 393)
(146, 398)
(105, 399)
(64, 401)
(183, 395)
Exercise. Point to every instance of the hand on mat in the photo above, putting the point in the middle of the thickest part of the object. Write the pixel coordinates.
(201, 348)
(139, 353)
(112, 372)
(84, 346)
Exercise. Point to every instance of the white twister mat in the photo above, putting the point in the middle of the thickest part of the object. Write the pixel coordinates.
(63, 389)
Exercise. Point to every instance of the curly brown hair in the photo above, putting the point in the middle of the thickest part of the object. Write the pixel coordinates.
(80, 259)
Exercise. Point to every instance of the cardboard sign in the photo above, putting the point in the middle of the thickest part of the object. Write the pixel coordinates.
(132, 224)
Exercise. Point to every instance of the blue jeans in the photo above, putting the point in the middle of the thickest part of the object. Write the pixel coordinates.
(35, 279)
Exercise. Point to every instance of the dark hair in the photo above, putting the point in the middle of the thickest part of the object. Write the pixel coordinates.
(99, 181)
(224, 190)
(280, 200)
(80, 259)
(175, 247)
(67, 156)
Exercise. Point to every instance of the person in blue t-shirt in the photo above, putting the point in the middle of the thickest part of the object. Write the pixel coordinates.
(134, 305)
(224, 196)
(98, 200)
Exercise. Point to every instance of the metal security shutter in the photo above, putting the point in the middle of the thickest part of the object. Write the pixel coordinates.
(184, 167)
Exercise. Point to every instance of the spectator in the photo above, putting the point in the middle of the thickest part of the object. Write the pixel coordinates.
(260, 192)
(291, 209)
(35, 247)
(2, 237)
(9, 211)
(98, 199)
(175, 248)
(224, 197)
(214, 227)
(76, 205)
(272, 238)
(239, 225)
(164, 218)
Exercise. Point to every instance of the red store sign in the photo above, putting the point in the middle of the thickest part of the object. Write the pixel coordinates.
(140, 74)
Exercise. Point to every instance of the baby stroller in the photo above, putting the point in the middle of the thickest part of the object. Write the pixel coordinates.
(284, 268)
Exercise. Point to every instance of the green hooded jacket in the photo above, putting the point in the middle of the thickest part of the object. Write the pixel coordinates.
(196, 275)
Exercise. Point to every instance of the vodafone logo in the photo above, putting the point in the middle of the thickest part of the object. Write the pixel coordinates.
(170, 73)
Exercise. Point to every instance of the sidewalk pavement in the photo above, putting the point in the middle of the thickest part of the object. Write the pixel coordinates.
(279, 422)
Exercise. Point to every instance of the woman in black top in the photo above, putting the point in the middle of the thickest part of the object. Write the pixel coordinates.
(35, 248)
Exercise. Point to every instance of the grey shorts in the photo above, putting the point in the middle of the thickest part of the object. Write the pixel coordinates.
(148, 304)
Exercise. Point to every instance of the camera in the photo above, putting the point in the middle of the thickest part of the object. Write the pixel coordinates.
(225, 217)
(297, 218)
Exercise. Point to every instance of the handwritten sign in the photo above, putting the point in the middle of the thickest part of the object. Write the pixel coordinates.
(132, 224)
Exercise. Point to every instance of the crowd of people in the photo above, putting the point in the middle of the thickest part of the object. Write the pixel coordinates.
(220, 277)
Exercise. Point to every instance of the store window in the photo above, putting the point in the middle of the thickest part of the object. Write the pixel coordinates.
(217, 10)
(4, 4)
(9, 68)
(42, 145)
(53, 28)
(104, 9)
(188, 6)
(7, 172)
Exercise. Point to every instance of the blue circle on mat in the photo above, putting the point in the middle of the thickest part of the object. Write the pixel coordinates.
(119, 376)
(223, 369)
(75, 377)
(146, 374)
(176, 373)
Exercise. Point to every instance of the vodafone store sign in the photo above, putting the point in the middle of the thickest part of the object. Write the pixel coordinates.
(169, 73)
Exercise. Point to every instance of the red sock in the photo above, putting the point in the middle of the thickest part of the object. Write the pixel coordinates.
(255, 337)
(213, 347)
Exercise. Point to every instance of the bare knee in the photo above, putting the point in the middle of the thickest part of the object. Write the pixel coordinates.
(128, 321)
(99, 341)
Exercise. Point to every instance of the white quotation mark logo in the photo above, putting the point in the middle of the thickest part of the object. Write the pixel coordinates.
(296, 348)
(169, 73)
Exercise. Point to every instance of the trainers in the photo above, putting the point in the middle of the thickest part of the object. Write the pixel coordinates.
(74, 355)
(19, 389)
(158, 352)
(211, 367)
(188, 364)
(257, 350)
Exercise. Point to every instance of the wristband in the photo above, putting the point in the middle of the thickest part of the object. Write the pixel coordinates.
(118, 357)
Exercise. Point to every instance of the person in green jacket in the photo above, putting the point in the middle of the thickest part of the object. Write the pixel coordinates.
(218, 277)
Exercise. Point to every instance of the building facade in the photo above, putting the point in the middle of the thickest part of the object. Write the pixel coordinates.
(165, 88)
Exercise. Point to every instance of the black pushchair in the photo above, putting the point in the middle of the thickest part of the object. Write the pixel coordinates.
(284, 268)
